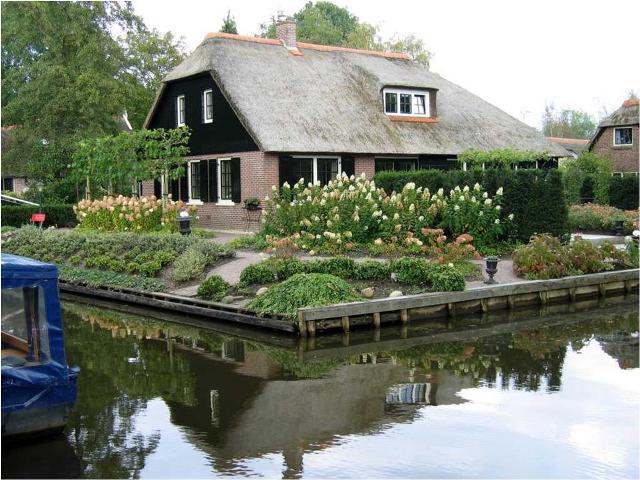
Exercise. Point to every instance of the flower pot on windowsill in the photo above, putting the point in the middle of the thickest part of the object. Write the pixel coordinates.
(252, 204)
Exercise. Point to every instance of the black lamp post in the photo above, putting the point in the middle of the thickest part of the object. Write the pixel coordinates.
(184, 223)
(492, 269)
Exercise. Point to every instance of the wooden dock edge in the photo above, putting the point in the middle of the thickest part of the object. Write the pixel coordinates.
(185, 305)
(373, 313)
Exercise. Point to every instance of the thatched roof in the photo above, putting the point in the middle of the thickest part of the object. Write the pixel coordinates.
(329, 100)
(627, 114)
(575, 145)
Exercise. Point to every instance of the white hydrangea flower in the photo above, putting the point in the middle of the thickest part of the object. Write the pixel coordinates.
(510, 216)
(384, 217)
(456, 208)
(476, 187)
(412, 207)
(450, 265)
(497, 221)
(480, 214)
(466, 188)
(499, 191)
(498, 207)
(286, 185)
(421, 218)
(440, 192)
(485, 195)
(396, 216)
(410, 186)
(274, 188)
(487, 201)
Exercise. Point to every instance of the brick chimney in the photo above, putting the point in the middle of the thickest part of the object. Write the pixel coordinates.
(286, 31)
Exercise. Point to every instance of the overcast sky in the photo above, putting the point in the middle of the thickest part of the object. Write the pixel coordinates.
(518, 55)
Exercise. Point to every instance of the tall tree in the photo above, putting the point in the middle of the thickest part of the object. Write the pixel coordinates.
(567, 123)
(325, 23)
(229, 24)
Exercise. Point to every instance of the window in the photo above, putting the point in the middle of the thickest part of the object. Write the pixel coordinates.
(25, 337)
(327, 170)
(310, 169)
(207, 106)
(195, 181)
(391, 102)
(622, 136)
(7, 184)
(180, 111)
(414, 103)
(396, 164)
(224, 167)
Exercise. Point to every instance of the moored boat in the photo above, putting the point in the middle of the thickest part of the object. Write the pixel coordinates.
(38, 387)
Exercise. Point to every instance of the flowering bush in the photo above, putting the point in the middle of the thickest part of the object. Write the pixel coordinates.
(351, 212)
(600, 218)
(133, 214)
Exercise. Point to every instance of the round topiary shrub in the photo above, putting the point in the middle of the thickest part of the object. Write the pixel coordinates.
(287, 267)
(446, 278)
(371, 270)
(340, 266)
(257, 274)
(412, 271)
(304, 290)
(213, 288)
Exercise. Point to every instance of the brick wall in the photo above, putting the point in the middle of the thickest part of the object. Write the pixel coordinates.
(366, 165)
(258, 172)
(625, 159)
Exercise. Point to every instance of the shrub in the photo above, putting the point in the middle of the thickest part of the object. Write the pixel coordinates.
(371, 270)
(446, 278)
(624, 192)
(99, 278)
(304, 290)
(287, 267)
(546, 257)
(633, 254)
(257, 274)
(188, 266)
(588, 176)
(253, 242)
(413, 271)
(213, 288)
(600, 218)
(340, 266)
(56, 215)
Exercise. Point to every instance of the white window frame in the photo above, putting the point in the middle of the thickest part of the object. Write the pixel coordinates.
(180, 122)
(315, 163)
(192, 201)
(220, 201)
(622, 144)
(398, 91)
(204, 106)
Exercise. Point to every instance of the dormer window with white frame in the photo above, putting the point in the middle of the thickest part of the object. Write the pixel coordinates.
(180, 111)
(413, 103)
(622, 137)
(207, 106)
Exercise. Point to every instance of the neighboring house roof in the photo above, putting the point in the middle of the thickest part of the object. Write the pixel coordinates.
(627, 114)
(574, 145)
(328, 99)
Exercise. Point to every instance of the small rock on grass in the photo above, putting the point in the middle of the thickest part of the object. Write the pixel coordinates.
(261, 291)
(395, 293)
(367, 292)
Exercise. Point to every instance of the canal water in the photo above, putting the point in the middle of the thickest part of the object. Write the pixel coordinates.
(543, 394)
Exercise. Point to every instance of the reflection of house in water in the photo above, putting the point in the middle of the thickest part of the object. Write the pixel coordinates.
(443, 388)
(623, 347)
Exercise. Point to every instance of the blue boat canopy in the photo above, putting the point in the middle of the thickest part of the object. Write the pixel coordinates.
(15, 267)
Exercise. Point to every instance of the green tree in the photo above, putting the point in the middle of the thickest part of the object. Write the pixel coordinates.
(325, 23)
(229, 24)
(567, 123)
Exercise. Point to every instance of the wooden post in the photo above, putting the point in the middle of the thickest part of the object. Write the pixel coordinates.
(451, 309)
(510, 302)
(572, 294)
(345, 324)
(627, 286)
(544, 297)
(302, 325)
(376, 320)
(345, 339)
(484, 304)
(311, 342)
(404, 330)
(376, 335)
(602, 289)
(404, 316)
(311, 328)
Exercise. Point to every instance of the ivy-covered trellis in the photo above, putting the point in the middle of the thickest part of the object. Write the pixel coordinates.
(503, 158)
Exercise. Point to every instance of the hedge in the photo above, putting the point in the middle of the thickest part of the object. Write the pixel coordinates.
(535, 197)
(61, 215)
(623, 192)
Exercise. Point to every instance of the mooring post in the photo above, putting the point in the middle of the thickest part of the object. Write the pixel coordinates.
(572, 294)
(602, 290)
(484, 304)
(302, 325)
(345, 324)
(376, 320)
(451, 309)
(544, 297)
(311, 328)
(376, 335)
(345, 339)
(404, 330)
(404, 316)
(511, 302)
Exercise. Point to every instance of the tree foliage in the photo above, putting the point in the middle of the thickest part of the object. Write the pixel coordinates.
(325, 23)
(501, 157)
(229, 24)
(567, 123)
(66, 77)
(586, 177)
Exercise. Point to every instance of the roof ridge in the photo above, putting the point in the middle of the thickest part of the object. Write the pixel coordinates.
(569, 140)
(308, 46)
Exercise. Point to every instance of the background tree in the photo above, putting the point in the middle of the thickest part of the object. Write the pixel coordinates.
(325, 23)
(66, 77)
(567, 123)
(229, 24)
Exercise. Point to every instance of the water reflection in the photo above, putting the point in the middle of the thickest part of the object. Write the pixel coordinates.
(166, 400)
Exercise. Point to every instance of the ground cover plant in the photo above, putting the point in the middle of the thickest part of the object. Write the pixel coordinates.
(352, 213)
(304, 290)
(99, 278)
(128, 214)
(131, 253)
(590, 217)
(547, 257)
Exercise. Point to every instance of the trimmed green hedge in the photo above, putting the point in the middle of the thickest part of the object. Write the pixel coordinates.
(624, 191)
(535, 197)
(61, 215)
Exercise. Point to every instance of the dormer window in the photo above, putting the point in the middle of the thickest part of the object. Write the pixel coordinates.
(180, 111)
(207, 106)
(414, 103)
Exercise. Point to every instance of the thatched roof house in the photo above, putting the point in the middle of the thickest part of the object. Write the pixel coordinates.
(617, 138)
(286, 109)
(574, 146)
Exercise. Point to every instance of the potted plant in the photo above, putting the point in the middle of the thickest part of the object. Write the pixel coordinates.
(492, 268)
(252, 203)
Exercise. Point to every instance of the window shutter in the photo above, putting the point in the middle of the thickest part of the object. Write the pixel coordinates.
(284, 169)
(204, 181)
(348, 166)
(235, 180)
(174, 189)
(157, 188)
(213, 180)
(184, 188)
